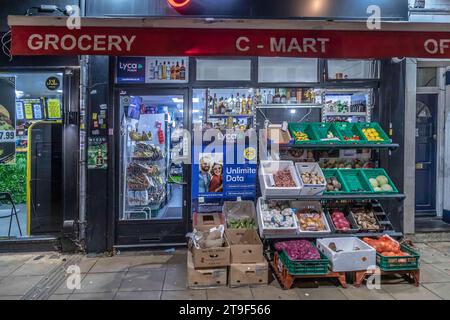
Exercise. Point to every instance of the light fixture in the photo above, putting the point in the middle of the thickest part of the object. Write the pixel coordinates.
(293, 111)
(177, 100)
(178, 3)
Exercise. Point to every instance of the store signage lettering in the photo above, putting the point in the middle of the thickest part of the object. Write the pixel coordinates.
(433, 46)
(289, 45)
(84, 42)
(183, 42)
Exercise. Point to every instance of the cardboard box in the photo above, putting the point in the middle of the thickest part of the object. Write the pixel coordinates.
(353, 255)
(245, 244)
(210, 257)
(236, 210)
(247, 274)
(205, 277)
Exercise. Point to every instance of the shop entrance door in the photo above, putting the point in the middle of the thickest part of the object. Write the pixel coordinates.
(153, 149)
(426, 154)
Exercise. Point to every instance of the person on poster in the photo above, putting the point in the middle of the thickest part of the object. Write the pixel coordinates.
(204, 178)
(216, 184)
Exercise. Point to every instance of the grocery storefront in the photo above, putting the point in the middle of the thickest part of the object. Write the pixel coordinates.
(145, 177)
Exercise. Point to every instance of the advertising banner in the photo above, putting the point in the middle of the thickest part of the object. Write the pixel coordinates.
(130, 70)
(224, 168)
(7, 120)
(97, 153)
(390, 40)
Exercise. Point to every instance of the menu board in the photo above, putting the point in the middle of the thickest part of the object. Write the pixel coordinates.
(20, 115)
(53, 109)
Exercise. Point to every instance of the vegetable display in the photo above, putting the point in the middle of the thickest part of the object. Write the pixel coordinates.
(284, 179)
(311, 221)
(386, 246)
(365, 219)
(340, 221)
(381, 184)
(371, 134)
(333, 184)
(243, 223)
(312, 178)
(278, 214)
(301, 136)
(299, 250)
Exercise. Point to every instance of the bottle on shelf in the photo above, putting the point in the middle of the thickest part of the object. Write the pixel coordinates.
(299, 95)
(152, 72)
(173, 75)
(244, 102)
(249, 106)
(270, 98)
(210, 105)
(237, 104)
(215, 105)
(222, 106)
(164, 71)
(277, 97)
(160, 70)
(264, 97)
(182, 71)
(283, 98)
(168, 75)
(177, 71)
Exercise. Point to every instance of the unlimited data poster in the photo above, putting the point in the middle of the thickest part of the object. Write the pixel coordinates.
(7, 120)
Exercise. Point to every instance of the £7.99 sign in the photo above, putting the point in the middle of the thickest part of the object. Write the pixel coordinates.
(7, 136)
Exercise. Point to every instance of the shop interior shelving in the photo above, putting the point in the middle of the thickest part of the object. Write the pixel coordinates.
(390, 146)
(371, 196)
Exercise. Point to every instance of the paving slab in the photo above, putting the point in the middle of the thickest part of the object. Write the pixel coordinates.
(273, 293)
(100, 282)
(18, 285)
(440, 289)
(142, 295)
(429, 274)
(8, 267)
(410, 292)
(322, 293)
(59, 297)
(176, 279)
(364, 293)
(226, 293)
(143, 281)
(10, 298)
(187, 294)
(92, 296)
(444, 267)
(443, 247)
(429, 254)
(111, 264)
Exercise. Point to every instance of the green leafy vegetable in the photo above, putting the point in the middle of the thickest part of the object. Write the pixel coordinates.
(14, 178)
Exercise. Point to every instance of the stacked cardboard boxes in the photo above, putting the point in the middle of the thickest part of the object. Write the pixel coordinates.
(248, 265)
(207, 267)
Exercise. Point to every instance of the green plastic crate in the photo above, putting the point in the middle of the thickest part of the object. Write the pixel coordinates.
(410, 262)
(328, 173)
(355, 181)
(303, 127)
(374, 173)
(321, 131)
(376, 126)
(305, 267)
(346, 129)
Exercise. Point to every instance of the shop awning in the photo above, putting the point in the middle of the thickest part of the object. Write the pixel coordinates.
(226, 37)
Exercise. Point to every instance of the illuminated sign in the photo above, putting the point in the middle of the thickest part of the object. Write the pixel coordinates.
(178, 3)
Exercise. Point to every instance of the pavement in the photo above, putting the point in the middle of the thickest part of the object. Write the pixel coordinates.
(162, 276)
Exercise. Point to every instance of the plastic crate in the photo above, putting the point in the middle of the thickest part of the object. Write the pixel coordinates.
(355, 181)
(328, 173)
(303, 127)
(410, 262)
(268, 167)
(310, 189)
(374, 173)
(346, 129)
(321, 131)
(305, 267)
(374, 125)
(354, 228)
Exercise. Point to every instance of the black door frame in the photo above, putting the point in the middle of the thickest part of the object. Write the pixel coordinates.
(127, 233)
(434, 165)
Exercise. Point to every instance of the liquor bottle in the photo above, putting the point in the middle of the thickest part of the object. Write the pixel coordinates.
(270, 98)
(156, 70)
(163, 71)
(168, 75)
(249, 106)
(177, 72)
(237, 104)
(222, 106)
(288, 95)
(215, 105)
(160, 71)
(283, 98)
(152, 72)
(230, 104)
(277, 97)
(172, 72)
(244, 103)
(210, 105)
(264, 97)
(182, 71)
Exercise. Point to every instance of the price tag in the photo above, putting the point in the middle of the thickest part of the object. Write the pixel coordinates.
(7, 136)
(28, 111)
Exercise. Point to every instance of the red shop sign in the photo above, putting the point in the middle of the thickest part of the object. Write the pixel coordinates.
(145, 41)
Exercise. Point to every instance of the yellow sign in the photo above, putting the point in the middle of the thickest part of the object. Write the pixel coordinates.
(28, 110)
(250, 153)
(53, 109)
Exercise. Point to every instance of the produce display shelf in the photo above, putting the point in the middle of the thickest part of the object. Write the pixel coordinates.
(399, 196)
(333, 235)
(344, 114)
(290, 106)
(391, 146)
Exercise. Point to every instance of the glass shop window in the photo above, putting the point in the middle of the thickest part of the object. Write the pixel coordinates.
(353, 69)
(427, 77)
(223, 70)
(283, 70)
